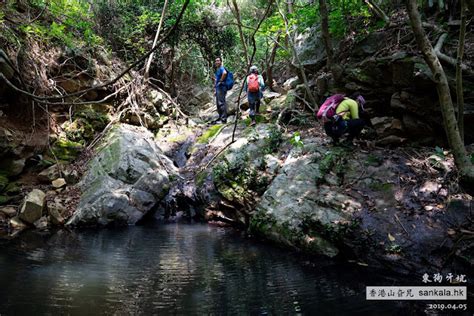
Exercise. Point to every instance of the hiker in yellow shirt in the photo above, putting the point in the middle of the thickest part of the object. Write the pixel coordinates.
(347, 119)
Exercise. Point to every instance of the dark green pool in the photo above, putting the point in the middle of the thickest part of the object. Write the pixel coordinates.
(175, 269)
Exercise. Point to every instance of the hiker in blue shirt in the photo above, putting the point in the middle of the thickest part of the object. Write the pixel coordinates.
(221, 90)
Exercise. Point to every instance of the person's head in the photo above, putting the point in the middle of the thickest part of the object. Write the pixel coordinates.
(254, 70)
(359, 98)
(218, 62)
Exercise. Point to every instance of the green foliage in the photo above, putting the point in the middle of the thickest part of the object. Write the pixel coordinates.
(333, 160)
(68, 22)
(440, 152)
(393, 248)
(296, 140)
(272, 142)
(342, 12)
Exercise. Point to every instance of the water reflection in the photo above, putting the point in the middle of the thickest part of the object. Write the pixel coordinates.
(172, 269)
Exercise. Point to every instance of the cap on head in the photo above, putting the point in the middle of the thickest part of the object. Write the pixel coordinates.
(360, 99)
(253, 69)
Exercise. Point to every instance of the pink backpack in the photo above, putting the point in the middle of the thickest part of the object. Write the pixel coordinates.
(327, 110)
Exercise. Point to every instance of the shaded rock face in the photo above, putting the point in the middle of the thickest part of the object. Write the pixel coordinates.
(6, 69)
(240, 174)
(126, 179)
(397, 85)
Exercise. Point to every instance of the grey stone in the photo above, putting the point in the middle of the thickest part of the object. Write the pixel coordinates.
(391, 140)
(71, 176)
(386, 126)
(269, 95)
(12, 166)
(32, 207)
(291, 83)
(126, 179)
(42, 223)
(55, 209)
(50, 173)
(9, 211)
(17, 223)
(59, 183)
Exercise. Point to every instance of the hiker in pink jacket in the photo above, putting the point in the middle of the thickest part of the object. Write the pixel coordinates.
(346, 119)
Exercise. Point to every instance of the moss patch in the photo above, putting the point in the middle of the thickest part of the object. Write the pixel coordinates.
(67, 150)
(381, 187)
(177, 138)
(4, 199)
(373, 160)
(201, 177)
(213, 130)
(3, 182)
(109, 158)
(12, 189)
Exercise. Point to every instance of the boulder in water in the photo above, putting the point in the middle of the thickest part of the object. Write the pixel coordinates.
(126, 179)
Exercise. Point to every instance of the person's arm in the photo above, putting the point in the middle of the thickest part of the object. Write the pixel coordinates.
(261, 82)
(223, 76)
(354, 109)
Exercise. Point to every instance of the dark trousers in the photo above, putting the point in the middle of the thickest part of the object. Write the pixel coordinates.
(221, 92)
(336, 129)
(254, 103)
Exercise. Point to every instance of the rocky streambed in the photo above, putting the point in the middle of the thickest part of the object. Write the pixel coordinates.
(371, 205)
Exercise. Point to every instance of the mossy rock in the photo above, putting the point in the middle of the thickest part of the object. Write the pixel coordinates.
(12, 189)
(211, 132)
(66, 150)
(3, 182)
(87, 122)
(4, 199)
(98, 119)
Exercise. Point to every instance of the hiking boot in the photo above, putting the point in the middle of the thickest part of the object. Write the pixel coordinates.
(347, 143)
(252, 123)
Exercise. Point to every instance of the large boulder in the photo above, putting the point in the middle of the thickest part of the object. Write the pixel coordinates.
(201, 96)
(126, 179)
(310, 48)
(295, 210)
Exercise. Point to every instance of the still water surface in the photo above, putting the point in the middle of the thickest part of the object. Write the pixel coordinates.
(175, 269)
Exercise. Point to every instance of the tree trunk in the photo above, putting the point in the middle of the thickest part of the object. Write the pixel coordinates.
(239, 24)
(459, 88)
(451, 127)
(323, 10)
(289, 5)
(298, 61)
(272, 61)
(374, 7)
(157, 34)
